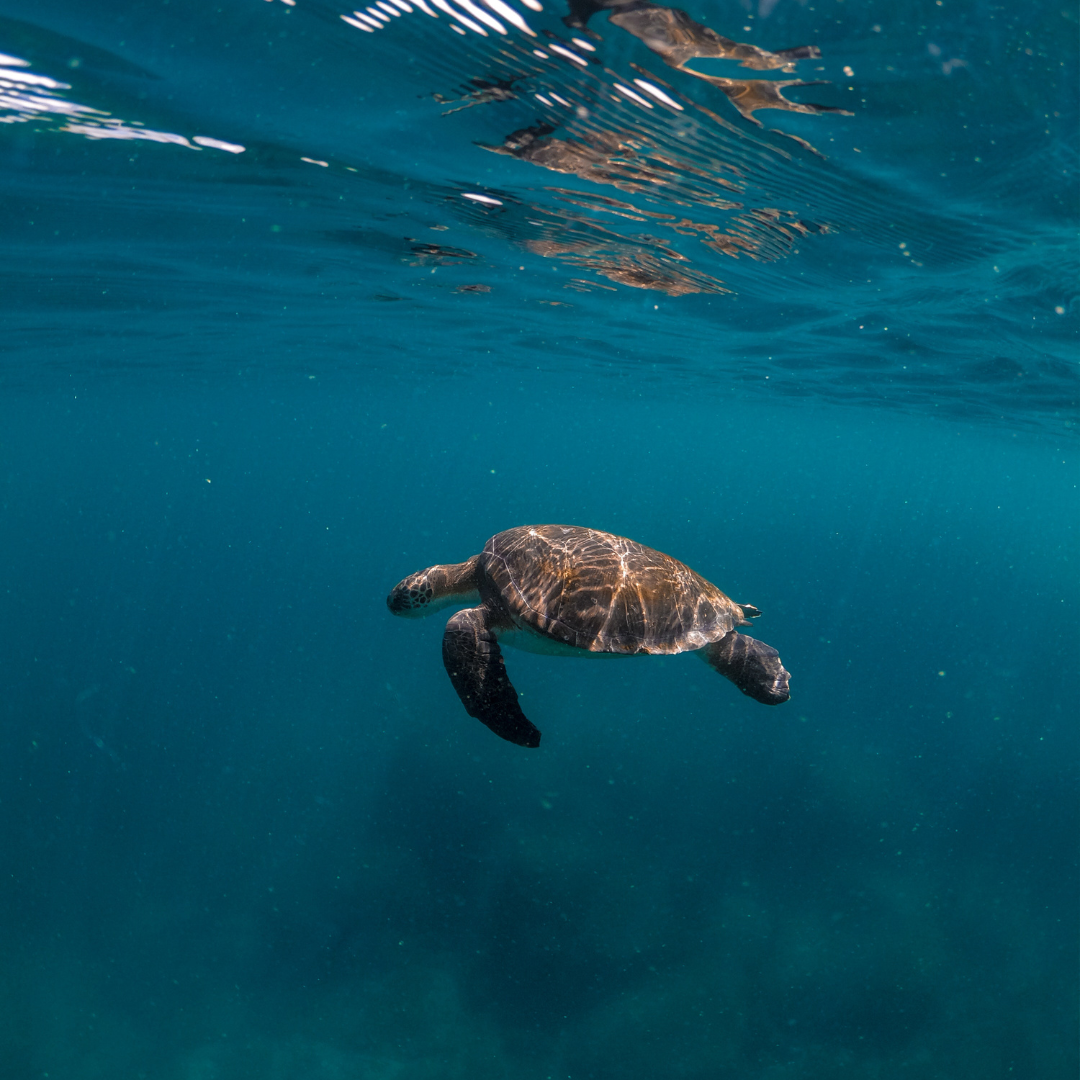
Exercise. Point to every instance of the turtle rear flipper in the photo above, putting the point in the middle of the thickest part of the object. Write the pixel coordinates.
(475, 665)
(751, 665)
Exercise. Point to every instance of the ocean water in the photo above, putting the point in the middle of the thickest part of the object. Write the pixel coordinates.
(297, 300)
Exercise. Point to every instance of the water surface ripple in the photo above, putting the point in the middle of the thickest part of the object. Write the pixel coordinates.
(841, 202)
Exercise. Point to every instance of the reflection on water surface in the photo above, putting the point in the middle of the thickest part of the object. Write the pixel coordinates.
(866, 257)
(633, 131)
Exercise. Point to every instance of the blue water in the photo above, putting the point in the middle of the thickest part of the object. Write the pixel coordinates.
(277, 332)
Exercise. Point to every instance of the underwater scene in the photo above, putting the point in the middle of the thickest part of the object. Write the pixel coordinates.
(364, 370)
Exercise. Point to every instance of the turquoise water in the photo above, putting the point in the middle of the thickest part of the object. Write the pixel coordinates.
(280, 328)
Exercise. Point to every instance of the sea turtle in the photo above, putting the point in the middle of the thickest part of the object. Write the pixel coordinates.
(569, 591)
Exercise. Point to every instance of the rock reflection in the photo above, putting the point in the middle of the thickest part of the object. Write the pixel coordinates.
(639, 260)
(685, 169)
(672, 34)
(484, 92)
(437, 254)
(608, 157)
(677, 39)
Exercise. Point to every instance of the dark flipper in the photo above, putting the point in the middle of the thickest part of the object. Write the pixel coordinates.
(475, 666)
(751, 665)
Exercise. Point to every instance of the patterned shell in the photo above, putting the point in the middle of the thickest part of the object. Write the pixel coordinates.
(604, 593)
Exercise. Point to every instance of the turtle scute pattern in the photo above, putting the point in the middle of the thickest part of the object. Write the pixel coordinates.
(604, 593)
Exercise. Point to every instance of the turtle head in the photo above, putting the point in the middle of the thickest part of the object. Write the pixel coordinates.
(412, 597)
(435, 588)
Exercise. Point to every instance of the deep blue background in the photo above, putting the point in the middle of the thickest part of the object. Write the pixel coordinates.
(246, 828)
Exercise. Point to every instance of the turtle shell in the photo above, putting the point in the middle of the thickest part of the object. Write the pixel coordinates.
(604, 593)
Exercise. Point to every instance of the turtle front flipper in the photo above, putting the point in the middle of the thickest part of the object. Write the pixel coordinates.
(475, 666)
(751, 665)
